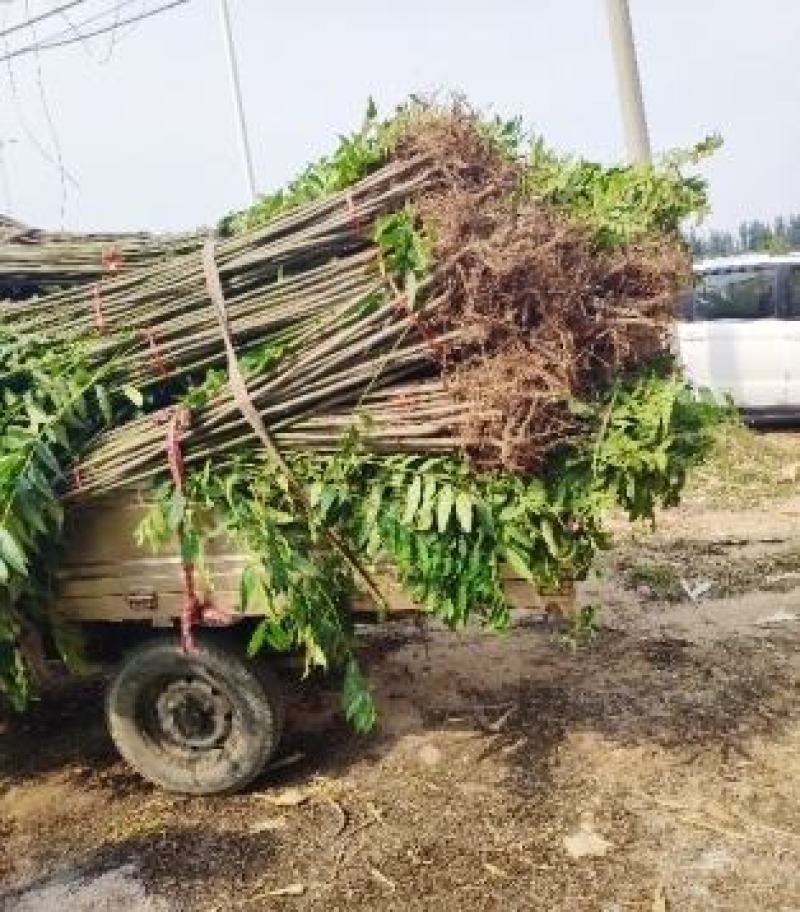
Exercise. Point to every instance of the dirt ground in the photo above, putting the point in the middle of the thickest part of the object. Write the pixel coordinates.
(656, 769)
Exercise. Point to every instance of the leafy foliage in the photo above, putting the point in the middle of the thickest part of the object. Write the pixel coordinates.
(625, 202)
(404, 249)
(51, 399)
(449, 533)
(621, 202)
(653, 431)
(357, 155)
(582, 628)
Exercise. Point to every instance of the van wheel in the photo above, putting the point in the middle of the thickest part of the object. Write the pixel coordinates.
(200, 723)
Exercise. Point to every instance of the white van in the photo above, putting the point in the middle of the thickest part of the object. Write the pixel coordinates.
(739, 332)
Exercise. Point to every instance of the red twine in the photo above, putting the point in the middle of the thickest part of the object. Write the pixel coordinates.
(157, 362)
(351, 211)
(194, 610)
(111, 260)
(191, 607)
(177, 423)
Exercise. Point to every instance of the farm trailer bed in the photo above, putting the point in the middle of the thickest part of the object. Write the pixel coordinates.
(204, 721)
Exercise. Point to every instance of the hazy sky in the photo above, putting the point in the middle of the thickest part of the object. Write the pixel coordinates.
(146, 128)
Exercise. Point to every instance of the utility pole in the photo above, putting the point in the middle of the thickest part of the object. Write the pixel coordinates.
(628, 82)
(237, 99)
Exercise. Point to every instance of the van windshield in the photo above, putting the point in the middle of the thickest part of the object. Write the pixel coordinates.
(741, 294)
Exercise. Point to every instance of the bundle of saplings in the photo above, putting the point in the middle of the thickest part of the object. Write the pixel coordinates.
(35, 262)
(443, 349)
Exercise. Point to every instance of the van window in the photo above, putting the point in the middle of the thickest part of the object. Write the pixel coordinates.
(742, 294)
(794, 292)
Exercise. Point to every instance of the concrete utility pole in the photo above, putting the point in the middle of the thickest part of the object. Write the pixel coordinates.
(237, 99)
(628, 82)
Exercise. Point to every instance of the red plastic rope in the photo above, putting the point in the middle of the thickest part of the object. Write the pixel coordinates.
(351, 212)
(191, 608)
(111, 260)
(157, 362)
(174, 449)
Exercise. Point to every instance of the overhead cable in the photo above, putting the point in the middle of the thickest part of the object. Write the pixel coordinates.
(32, 20)
(50, 44)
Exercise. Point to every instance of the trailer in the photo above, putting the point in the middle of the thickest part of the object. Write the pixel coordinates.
(205, 720)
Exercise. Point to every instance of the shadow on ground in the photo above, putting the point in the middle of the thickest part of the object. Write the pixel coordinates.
(665, 690)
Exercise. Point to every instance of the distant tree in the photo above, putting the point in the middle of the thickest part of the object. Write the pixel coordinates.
(781, 236)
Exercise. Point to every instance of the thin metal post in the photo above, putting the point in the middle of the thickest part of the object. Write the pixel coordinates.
(237, 98)
(629, 85)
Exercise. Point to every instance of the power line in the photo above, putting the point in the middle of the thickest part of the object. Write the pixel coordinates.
(75, 27)
(233, 68)
(23, 121)
(49, 117)
(112, 41)
(41, 17)
(55, 42)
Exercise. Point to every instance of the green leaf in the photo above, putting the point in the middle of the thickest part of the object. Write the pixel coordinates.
(259, 638)
(176, 510)
(36, 415)
(246, 587)
(413, 498)
(326, 501)
(45, 454)
(357, 703)
(58, 434)
(425, 518)
(133, 394)
(315, 493)
(518, 563)
(55, 511)
(549, 536)
(281, 517)
(464, 510)
(429, 494)
(314, 654)
(444, 507)
(104, 402)
(30, 511)
(11, 552)
(190, 546)
(80, 408)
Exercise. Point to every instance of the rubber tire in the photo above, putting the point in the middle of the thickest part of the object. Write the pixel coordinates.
(255, 695)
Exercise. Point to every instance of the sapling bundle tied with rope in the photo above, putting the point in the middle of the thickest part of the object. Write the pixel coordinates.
(436, 350)
(35, 262)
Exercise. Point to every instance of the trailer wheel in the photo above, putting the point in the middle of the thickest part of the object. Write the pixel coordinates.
(200, 723)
